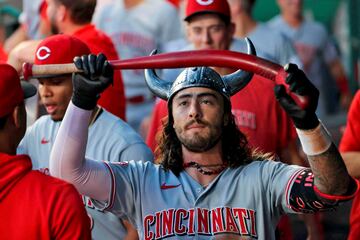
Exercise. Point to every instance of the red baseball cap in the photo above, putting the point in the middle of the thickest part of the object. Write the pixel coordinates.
(220, 7)
(60, 48)
(12, 90)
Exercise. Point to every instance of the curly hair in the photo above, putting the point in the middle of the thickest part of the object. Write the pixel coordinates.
(236, 151)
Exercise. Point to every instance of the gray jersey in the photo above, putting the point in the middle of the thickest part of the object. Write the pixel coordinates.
(136, 32)
(30, 18)
(272, 45)
(268, 45)
(109, 138)
(316, 50)
(247, 201)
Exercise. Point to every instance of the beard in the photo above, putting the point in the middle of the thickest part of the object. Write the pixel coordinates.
(199, 141)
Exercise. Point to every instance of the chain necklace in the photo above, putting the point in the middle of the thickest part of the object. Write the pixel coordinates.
(95, 115)
(201, 169)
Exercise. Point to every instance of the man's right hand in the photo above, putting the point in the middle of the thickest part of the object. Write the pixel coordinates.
(299, 84)
(97, 75)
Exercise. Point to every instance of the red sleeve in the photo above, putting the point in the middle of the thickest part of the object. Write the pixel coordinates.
(351, 138)
(69, 215)
(159, 113)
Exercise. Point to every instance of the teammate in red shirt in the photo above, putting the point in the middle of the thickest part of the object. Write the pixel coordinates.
(32, 204)
(65, 17)
(350, 149)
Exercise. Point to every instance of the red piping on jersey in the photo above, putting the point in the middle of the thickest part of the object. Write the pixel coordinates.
(291, 180)
(164, 186)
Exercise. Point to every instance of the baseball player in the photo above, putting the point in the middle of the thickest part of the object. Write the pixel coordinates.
(136, 27)
(74, 18)
(269, 44)
(208, 184)
(32, 204)
(209, 27)
(318, 54)
(110, 138)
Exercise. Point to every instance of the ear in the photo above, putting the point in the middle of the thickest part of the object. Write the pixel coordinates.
(15, 117)
(61, 13)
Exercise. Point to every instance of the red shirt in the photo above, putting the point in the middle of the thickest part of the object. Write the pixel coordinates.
(257, 113)
(3, 54)
(113, 98)
(351, 142)
(36, 206)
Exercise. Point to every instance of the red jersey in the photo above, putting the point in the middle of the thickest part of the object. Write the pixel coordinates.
(351, 142)
(113, 98)
(258, 115)
(36, 206)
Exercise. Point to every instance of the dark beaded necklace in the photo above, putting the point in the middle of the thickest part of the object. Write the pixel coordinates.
(201, 169)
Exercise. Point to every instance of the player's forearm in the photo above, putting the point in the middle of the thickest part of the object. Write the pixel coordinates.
(330, 173)
(331, 176)
(67, 158)
(352, 162)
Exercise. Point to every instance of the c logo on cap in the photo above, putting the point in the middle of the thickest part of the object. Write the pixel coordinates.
(43, 53)
(204, 2)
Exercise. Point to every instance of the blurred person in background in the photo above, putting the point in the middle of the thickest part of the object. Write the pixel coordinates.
(319, 56)
(136, 28)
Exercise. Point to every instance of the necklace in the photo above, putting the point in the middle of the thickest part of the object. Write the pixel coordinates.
(201, 169)
(96, 115)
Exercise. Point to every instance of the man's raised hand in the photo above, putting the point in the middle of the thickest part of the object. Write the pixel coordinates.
(97, 75)
(299, 84)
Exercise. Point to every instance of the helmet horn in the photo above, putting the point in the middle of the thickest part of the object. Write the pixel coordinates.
(158, 86)
(239, 79)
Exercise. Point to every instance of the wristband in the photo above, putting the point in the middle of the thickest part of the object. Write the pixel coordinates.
(315, 141)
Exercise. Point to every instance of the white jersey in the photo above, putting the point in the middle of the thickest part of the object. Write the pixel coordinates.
(110, 138)
(246, 201)
(316, 51)
(136, 32)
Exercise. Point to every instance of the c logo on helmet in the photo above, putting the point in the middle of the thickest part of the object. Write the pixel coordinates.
(204, 2)
(43, 53)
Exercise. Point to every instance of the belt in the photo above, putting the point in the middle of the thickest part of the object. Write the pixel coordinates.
(139, 99)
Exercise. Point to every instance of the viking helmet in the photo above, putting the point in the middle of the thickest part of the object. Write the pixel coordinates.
(206, 77)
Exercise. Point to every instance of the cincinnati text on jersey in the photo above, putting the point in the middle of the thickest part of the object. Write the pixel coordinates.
(200, 221)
